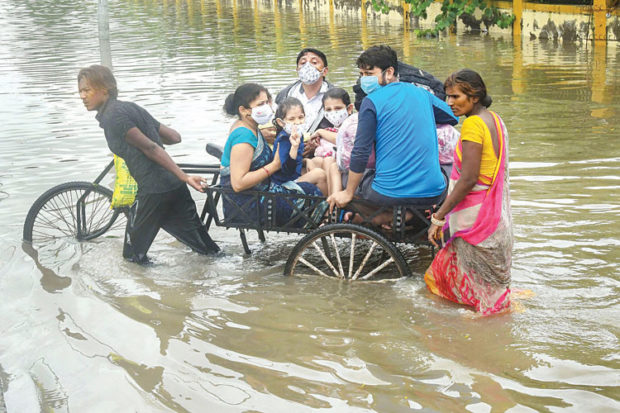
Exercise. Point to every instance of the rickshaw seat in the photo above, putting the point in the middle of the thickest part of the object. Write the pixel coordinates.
(215, 150)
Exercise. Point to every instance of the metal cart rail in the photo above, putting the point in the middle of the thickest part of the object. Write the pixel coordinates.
(332, 248)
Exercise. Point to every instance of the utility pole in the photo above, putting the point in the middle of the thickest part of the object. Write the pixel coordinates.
(104, 34)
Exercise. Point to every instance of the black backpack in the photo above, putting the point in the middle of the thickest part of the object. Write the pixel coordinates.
(409, 74)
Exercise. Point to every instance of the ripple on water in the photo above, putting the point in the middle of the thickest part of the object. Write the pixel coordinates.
(229, 333)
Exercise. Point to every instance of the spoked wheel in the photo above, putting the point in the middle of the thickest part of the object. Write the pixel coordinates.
(347, 251)
(78, 210)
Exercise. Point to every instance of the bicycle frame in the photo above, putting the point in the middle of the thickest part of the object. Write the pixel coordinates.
(82, 234)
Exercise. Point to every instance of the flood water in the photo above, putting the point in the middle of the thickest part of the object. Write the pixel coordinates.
(86, 331)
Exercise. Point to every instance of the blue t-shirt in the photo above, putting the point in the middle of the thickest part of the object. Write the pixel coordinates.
(239, 135)
(399, 121)
(291, 168)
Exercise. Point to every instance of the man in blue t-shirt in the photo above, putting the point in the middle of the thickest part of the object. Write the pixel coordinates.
(398, 120)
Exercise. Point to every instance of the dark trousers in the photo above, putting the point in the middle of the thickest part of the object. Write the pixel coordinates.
(365, 191)
(175, 212)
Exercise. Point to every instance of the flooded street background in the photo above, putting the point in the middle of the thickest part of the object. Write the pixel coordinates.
(86, 331)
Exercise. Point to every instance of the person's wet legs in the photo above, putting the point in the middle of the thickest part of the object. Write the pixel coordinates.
(143, 223)
(182, 222)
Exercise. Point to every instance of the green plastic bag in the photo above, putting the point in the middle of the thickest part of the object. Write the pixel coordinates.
(125, 187)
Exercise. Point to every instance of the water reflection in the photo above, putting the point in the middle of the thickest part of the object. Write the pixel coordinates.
(50, 280)
(231, 334)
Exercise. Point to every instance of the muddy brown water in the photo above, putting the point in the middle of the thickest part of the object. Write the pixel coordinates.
(85, 331)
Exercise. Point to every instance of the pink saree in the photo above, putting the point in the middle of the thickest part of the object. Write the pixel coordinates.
(473, 268)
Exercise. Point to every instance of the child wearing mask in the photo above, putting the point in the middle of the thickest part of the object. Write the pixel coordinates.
(338, 110)
(337, 107)
(338, 168)
(290, 126)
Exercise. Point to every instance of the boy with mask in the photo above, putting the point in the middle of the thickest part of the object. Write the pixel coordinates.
(398, 120)
(163, 200)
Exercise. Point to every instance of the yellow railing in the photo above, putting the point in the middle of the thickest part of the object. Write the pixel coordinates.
(599, 10)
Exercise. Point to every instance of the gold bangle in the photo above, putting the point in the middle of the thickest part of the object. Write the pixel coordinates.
(438, 222)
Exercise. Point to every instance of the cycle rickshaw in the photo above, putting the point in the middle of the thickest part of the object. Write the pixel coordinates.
(81, 210)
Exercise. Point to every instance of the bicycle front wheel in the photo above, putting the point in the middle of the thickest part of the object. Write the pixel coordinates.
(79, 210)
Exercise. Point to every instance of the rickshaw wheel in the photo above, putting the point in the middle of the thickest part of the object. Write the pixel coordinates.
(78, 210)
(347, 251)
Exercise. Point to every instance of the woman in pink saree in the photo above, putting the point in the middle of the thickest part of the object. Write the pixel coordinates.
(473, 267)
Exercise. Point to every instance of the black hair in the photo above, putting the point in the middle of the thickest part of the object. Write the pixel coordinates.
(382, 56)
(358, 105)
(471, 84)
(337, 93)
(283, 109)
(317, 52)
(243, 96)
(100, 77)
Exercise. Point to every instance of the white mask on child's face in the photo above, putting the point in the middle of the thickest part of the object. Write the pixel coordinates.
(336, 117)
(300, 128)
(262, 114)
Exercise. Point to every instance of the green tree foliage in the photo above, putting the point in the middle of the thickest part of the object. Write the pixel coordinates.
(451, 10)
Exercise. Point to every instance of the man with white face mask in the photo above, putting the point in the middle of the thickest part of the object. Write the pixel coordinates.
(310, 88)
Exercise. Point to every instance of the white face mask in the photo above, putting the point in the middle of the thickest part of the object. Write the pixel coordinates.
(262, 114)
(300, 128)
(336, 117)
(309, 74)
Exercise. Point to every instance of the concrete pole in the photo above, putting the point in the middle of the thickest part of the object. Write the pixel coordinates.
(518, 71)
(600, 90)
(599, 8)
(365, 41)
(406, 11)
(104, 34)
(517, 10)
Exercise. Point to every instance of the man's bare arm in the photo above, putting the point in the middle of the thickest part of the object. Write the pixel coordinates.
(158, 155)
(168, 135)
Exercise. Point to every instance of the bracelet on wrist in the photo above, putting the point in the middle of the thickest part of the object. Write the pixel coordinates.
(266, 170)
(438, 222)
